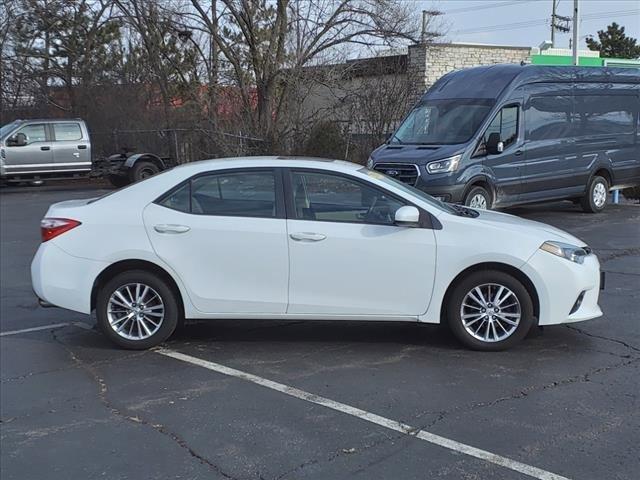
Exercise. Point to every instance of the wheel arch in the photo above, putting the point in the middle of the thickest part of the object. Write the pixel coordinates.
(502, 267)
(479, 181)
(604, 172)
(150, 157)
(135, 264)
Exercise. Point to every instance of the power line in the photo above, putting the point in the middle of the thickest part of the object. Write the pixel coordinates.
(486, 6)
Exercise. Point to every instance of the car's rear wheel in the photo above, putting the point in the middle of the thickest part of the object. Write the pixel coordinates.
(489, 310)
(597, 193)
(478, 198)
(137, 310)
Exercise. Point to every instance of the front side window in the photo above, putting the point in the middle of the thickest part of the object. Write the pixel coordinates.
(236, 194)
(34, 133)
(440, 122)
(505, 123)
(548, 117)
(67, 131)
(334, 198)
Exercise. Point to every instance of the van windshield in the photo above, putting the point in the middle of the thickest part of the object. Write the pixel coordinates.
(442, 122)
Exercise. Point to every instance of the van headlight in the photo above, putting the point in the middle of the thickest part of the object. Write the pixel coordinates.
(565, 250)
(370, 163)
(446, 165)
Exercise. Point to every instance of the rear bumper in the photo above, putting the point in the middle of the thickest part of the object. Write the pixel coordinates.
(559, 283)
(62, 280)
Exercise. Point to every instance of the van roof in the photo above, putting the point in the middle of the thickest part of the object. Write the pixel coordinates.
(488, 82)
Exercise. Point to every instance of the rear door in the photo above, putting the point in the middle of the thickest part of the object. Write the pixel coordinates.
(346, 255)
(224, 234)
(551, 161)
(36, 156)
(70, 147)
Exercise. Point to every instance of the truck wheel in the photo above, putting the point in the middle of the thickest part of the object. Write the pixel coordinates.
(596, 198)
(142, 170)
(118, 181)
(478, 198)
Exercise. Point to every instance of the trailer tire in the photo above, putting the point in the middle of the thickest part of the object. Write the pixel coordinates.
(143, 169)
(118, 181)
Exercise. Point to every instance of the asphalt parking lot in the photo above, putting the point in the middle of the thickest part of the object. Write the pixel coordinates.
(372, 401)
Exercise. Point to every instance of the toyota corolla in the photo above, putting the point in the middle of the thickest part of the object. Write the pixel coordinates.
(283, 238)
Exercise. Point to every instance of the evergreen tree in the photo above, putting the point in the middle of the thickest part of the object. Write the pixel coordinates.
(614, 43)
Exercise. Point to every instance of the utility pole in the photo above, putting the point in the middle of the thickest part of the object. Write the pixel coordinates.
(576, 33)
(559, 23)
(553, 23)
(424, 34)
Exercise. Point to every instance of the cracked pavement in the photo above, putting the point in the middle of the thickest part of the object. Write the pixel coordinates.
(72, 406)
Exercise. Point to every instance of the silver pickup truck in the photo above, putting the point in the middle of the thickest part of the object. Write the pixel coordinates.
(44, 149)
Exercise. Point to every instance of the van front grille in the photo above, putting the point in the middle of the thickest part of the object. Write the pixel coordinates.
(405, 172)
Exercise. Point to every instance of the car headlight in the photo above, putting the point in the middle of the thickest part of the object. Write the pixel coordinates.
(446, 165)
(565, 250)
(370, 163)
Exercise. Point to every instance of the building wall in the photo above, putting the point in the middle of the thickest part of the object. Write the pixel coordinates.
(427, 63)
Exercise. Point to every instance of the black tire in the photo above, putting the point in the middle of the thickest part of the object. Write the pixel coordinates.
(593, 202)
(475, 194)
(118, 181)
(158, 286)
(496, 279)
(143, 169)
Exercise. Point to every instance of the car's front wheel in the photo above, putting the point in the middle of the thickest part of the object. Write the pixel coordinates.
(137, 310)
(489, 310)
(479, 198)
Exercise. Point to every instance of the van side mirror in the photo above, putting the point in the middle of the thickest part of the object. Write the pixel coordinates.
(407, 216)
(17, 140)
(494, 144)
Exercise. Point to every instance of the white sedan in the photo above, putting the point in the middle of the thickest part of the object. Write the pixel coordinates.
(282, 238)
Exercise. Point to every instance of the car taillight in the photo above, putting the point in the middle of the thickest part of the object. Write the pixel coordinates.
(52, 227)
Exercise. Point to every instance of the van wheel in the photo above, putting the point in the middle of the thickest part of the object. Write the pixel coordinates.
(143, 169)
(137, 310)
(597, 194)
(479, 198)
(489, 310)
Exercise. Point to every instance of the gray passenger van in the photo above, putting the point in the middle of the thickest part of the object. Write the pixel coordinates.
(502, 135)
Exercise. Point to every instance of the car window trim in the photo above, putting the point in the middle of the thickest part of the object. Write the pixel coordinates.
(279, 193)
(427, 221)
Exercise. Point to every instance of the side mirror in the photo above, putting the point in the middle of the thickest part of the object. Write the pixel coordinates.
(17, 140)
(494, 144)
(407, 216)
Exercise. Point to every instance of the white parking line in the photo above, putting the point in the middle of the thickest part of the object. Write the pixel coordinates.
(369, 417)
(52, 326)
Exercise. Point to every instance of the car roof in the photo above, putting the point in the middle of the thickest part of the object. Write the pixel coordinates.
(270, 161)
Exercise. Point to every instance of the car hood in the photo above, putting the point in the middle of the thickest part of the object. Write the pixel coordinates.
(531, 228)
(418, 154)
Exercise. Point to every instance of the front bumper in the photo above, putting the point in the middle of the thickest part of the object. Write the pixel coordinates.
(559, 283)
(62, 280)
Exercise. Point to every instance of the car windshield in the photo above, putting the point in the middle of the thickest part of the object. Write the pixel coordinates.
(5, 129)
(410, 190)
(442, 122)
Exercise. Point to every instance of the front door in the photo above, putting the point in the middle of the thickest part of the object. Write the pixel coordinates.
(36, 156)
(224, 234)
(346, 255)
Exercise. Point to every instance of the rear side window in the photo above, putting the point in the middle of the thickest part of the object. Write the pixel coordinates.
(548, 117)
(237, 194)
(605, 114)
(67, 131)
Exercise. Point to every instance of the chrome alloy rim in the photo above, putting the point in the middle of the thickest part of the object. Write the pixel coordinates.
(599, 195)
(478, 201)
(135, 311)
(490, 312)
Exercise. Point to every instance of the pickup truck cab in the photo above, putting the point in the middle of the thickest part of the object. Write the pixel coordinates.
(44, 148)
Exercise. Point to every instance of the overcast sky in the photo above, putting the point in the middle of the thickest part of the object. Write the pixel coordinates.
(488, 21)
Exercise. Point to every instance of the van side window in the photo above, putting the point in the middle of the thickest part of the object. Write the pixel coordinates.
(506, 124)
(605, 114)
(548, 117)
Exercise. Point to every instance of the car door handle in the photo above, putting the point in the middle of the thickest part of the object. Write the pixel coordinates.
(82, 147)
(307, 237)
(45, 148)
(171, 228)
(518, 152)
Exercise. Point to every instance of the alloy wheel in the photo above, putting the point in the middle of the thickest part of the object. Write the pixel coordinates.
(135, 311)
(599, 194)
(490, 312)
(478, 201)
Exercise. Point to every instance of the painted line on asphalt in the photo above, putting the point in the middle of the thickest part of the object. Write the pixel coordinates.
(367, 416)
(52, 326)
